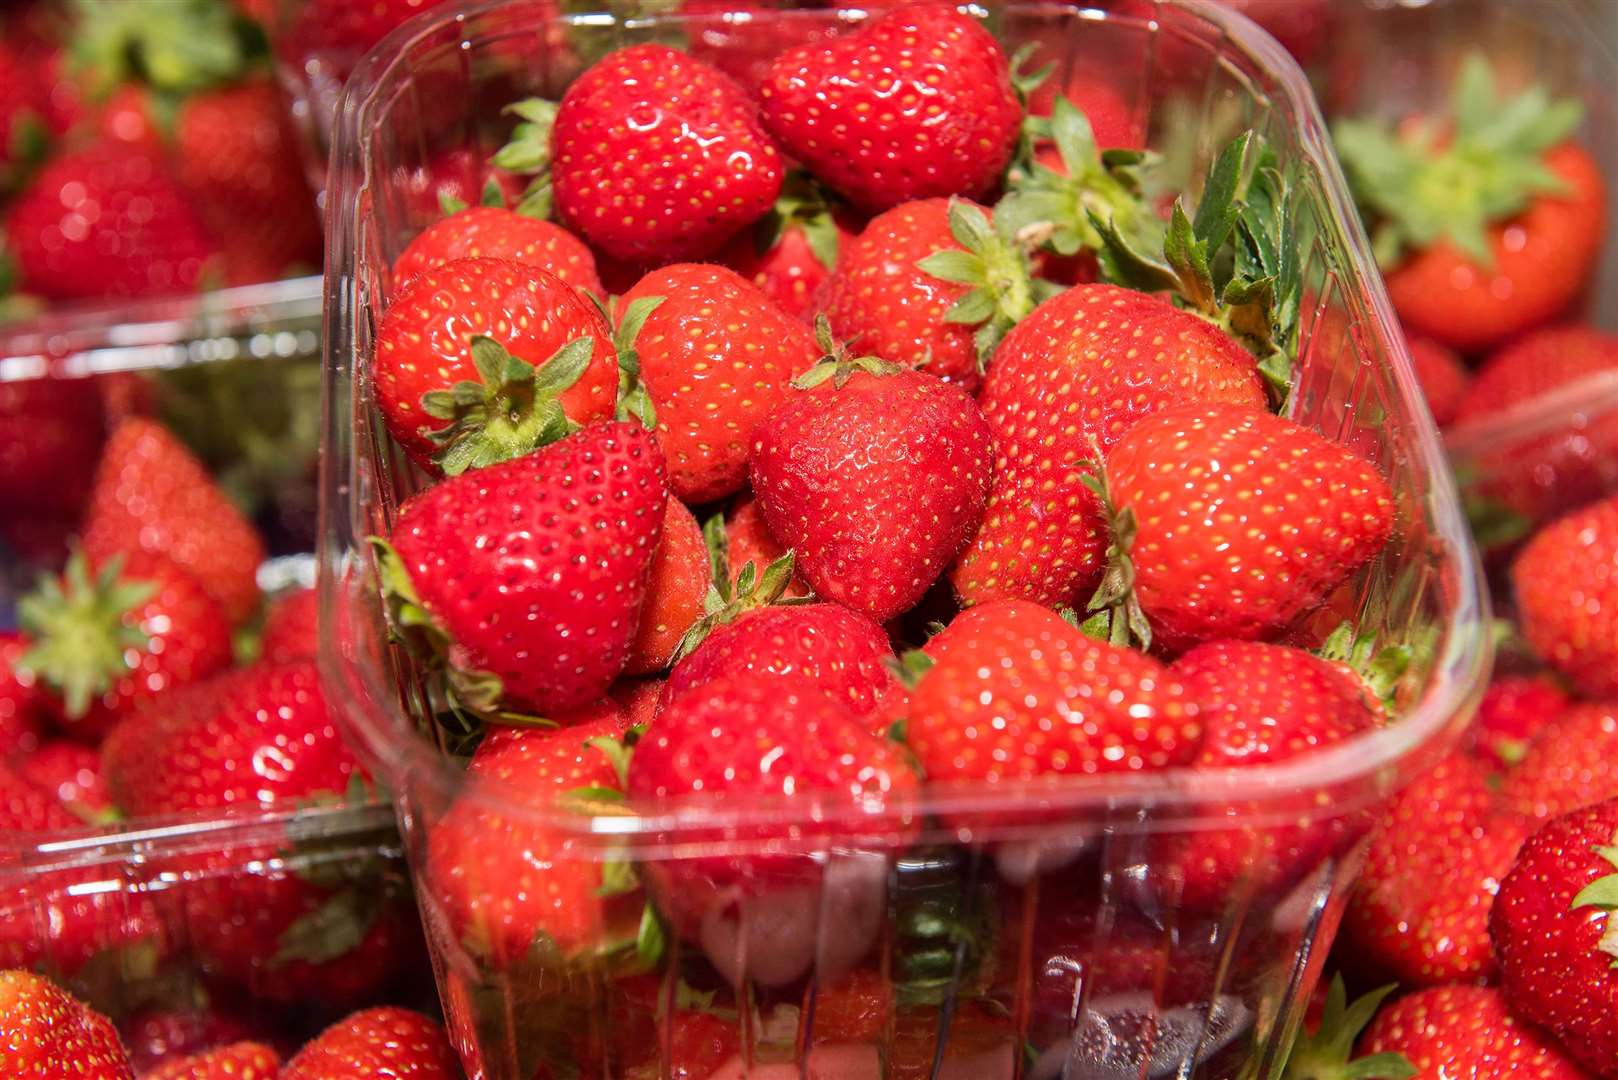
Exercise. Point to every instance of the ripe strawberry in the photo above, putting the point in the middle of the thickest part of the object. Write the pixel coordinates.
(1570, 762)
(674, 594)
(50, 434)
(716, 357)
(51, 1035)
(238, 157)
(793, 249)
(24, 705)
(1065, 374)
(1260, 704)
(157, 1035)
(1016, 693)
(1420, 912)
(659, 156)
(292, 627)
(1537, 364)
(875, 482)
(1464, 1031)
(105, 646)
(1444, 380)
(840, 651)
(1115, 123)
(740, 739)
(26, 808)
(72, 774)
(512, 888)
(1513, 710)
(638, 699)
(480, 360)
(1515, 251)
(152, 494)
(391, 1042)
(23, 133)
(530, 575)
(451, 180)
(238, 1061)
(748, 540)
(1566, 585)
(352, 28)
(1242, 551)
(493, 232)
(850, 108)
(1554, 934)
(106, 220)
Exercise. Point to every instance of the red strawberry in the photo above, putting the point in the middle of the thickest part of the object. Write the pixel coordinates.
(1566, 586)
(741, 739)
(1241, 551)
(1066, 374)
(342, 25)
(493, 232)
(391, 1042)
(1420, 912)
(511, 887)
(110, 644)
(452, 179)
(156, 1036)
(51, 1035)
(659, 156)
(918, 104)
(875, 482)
(533, 572)
(151, 494)
(1555, 938)
(1513, 710)
(1570, 762)
(292, 627)
(749, 540)
(792, 250)
(23, 133)
(638, 699)
(675, 593)
(716, 357)
(71, 773)
(1115, 123)
(26, 808)
(1537, 364)
(1519, 249)
(1443, 379)
(1454, 1031)
(238, 156)
(106, 220)
(50, 434)
(238, 1061)
(24, 705)
(840, 651)
(444, 372)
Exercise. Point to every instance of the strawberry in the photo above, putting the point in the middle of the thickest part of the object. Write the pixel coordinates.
(238, 1061)
(1242, 551)
(391, 1042)
(1513, 710)
(1486, 215)
(748, 540)
(1444, 380)
(793, 249)
(493, 232)
(71, 773)
(450, 180)
(716, 356)
(1115, 123)
(24, 705)
(480, 360)
(1554, 935)
(528, 577)
(638, 699)
(514, 889)
(875, 476)
(108, 645)
(352, 28)
(656, 155)
(903, 288)
(1065, 374)
(1536, 364)
(158, 1035)
(292, 627)
(106, 220)
(850, 108)
(1420, 912)
(741, 739)
(50, 435)
(23, 132)
(51, 1035)
(1260, 704)
(1016, 693)
(1566, 585)
(1465, 1031)
(1570, 762)
(674, 594)
(25, 808)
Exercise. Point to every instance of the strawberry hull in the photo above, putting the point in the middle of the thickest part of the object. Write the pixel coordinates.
(933, 933)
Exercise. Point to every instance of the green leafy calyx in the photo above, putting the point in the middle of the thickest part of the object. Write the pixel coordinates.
(82, 630)
(528, 153)
(1379, 667)
(726, 601)
(1602, 893)
(802, 205)
(837, 363)
(634, 401)
(996, 267)
(1326, 1055)
(175, 47)
(1114, 610)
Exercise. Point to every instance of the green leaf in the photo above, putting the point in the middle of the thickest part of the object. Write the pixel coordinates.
(1327, 1054)
(512, 411)
(178, 46)
(493, 193)
(751, 590)
(1217, 206)
(616, 753)
(1188, 257)
(717, 540)
(529, 149)
(617, 878)
(651, 940)
(960, 267)
(82, 630)
(537, 199)
(821, 233)
(909, 666)
(634, 400)
(969, 225)
(1075, 139)
(329, 932)
(449, 204)
(1601, 893)
(972, 308)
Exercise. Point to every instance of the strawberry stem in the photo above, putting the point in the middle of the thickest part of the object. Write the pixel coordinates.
(81, 630)
(1326, 1055)
(1125, 621)
(726, 603)
(996, 266)
(837, 364)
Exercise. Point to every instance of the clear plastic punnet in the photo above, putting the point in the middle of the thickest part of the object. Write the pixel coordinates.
(974, 933)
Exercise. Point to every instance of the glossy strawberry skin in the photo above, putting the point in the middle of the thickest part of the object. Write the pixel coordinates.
(717, 356)
(292, 627)
(659, 156)
(1571, 762)
(238, 1061)
(1063, 377)
(24, 706)
(748, 540)
(425, 341)
(876, 485)
(919, 104)
(50, 1035)
(885, 305)
(1513, 710)
(493, 232)
(1465, 1031)
(675, 593)
(386, 1041)
(72, 773)
(1242, 550)
(568, 533)
(789, 272)
(157, 1036)
(1566, 585)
